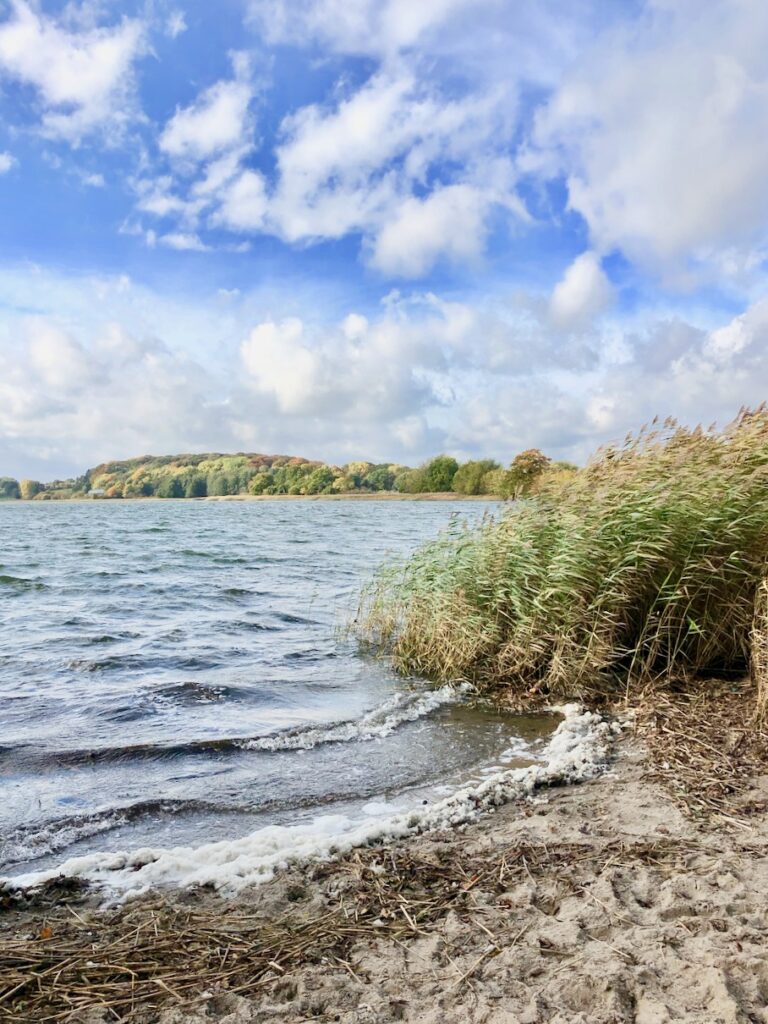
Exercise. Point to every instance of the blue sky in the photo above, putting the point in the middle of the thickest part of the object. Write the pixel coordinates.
(376, 228)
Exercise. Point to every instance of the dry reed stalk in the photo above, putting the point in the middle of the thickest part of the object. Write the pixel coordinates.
(759, 648)
(158, 951)
(707, 749)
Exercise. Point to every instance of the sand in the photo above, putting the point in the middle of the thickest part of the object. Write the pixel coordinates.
(595, 904)
(675, 934)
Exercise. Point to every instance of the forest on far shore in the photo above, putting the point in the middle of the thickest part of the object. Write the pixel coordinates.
(216, 475)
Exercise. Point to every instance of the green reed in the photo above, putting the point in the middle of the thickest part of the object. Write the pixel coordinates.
(645, 565)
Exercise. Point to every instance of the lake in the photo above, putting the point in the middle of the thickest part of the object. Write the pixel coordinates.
(175, 673)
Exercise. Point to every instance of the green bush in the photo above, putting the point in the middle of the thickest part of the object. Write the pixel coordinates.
(220, 485)
(471, 477)
(439, 473)
(9, 488)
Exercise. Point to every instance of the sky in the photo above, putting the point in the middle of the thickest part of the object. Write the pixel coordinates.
(377, 229)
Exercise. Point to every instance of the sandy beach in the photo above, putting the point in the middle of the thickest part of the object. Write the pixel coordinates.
(636, 897)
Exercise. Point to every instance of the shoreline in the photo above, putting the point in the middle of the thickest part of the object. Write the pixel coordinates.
(595, 903)
(350, 496)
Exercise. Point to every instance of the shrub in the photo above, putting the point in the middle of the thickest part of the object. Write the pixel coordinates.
(319, 481)
(470, 478)
(439, 473)
(9, 488)
(646, 565)
(378, 478)
(525, 470)
(411, 481)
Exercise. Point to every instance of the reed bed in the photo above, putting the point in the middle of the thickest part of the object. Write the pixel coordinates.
(648, 565)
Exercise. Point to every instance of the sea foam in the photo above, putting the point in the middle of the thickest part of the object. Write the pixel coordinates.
(578, 750)
(376, 724)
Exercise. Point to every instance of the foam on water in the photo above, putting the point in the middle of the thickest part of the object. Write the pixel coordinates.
(578, 750)
(375, 724)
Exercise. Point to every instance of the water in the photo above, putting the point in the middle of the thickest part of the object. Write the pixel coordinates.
(173, 673)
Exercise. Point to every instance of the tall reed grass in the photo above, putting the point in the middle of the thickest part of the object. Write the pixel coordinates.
(648, 564)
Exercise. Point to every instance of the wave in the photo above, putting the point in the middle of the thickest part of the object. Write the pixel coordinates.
(578, 750)
(217, 559)
(30, 842)
(376, 724)
(20, 582)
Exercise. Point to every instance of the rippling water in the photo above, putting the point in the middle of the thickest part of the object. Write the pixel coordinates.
(172, 673)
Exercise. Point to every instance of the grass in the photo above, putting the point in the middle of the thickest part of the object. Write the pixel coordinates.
(648, 565)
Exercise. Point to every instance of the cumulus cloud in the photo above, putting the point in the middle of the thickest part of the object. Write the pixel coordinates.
(58, 359)
(583, 292)
(661, 132)
(67, 403)
(83, 79)
(215, 122)
(449, 222)
(362, 164)
(7, 161)
(243, 203)
(357, 166)
(93, 179)
(354, 26)
(111, 375)
(354, 372)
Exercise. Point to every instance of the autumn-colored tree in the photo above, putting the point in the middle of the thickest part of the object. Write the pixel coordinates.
(525, 469)
(29, 488)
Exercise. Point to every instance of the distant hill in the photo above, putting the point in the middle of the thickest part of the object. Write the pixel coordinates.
(215, 474)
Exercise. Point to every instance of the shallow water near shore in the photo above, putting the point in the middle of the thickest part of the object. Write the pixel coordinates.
(173, 674)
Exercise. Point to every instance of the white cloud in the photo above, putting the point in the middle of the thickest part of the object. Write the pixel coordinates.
(7, 161)
(93, 180)
(354, 168)
(175, 24)
(58, 358)
(83, 79)
(156, 197)
(354, 26)
(661, 131)
(354, 326)
(449, 222)
(119, 370)
(215, 122)
(243, 204)
(583, 292)
(183, 242)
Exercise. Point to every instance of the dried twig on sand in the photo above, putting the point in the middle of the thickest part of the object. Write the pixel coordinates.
(166, 949)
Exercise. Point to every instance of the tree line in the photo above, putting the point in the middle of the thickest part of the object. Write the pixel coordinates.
(216, 475)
